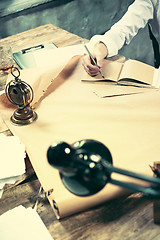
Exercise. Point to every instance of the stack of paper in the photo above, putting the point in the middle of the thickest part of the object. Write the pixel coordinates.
(12, 165)
(21, 223)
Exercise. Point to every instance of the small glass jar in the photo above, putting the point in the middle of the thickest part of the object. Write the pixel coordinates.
(6, 59)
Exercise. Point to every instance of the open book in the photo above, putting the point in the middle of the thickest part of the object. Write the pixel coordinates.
(131, 73)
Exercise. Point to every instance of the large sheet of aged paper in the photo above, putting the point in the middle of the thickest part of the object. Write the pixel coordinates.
(69, 110)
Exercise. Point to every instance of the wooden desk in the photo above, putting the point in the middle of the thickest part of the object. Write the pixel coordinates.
(125, 218)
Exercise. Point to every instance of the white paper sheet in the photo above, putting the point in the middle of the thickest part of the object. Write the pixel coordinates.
(48, 58)
(21, 223)
(12, 155)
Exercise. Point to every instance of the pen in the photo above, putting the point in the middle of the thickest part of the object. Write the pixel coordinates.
(93, 60)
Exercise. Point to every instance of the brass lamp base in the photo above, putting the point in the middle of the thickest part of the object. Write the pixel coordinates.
(23, 116)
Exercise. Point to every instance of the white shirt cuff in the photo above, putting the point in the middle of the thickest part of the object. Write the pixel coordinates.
(109, 43)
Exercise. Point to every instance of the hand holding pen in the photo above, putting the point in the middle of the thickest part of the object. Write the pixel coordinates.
(92, 63)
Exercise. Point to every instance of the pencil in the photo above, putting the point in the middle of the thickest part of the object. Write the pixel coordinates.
(93, 60)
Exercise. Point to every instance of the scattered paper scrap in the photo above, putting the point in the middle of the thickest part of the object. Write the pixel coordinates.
(12, 155)
(21, 223)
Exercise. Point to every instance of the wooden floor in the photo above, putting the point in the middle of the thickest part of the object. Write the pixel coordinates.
(127, 218)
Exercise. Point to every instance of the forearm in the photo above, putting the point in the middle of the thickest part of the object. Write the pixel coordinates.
(121, 33)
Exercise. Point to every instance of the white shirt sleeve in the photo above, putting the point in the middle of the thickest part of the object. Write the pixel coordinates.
(121, 33)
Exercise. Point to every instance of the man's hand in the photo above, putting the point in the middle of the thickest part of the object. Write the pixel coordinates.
(99, 53)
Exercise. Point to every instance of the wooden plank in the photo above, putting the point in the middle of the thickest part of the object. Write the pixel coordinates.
(22, 194)
(124, 218)
(40, 35)
(156, 204)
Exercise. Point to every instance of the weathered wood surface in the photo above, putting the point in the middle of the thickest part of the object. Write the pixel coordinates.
(40, 35)
(127, 218)
(156, 204)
